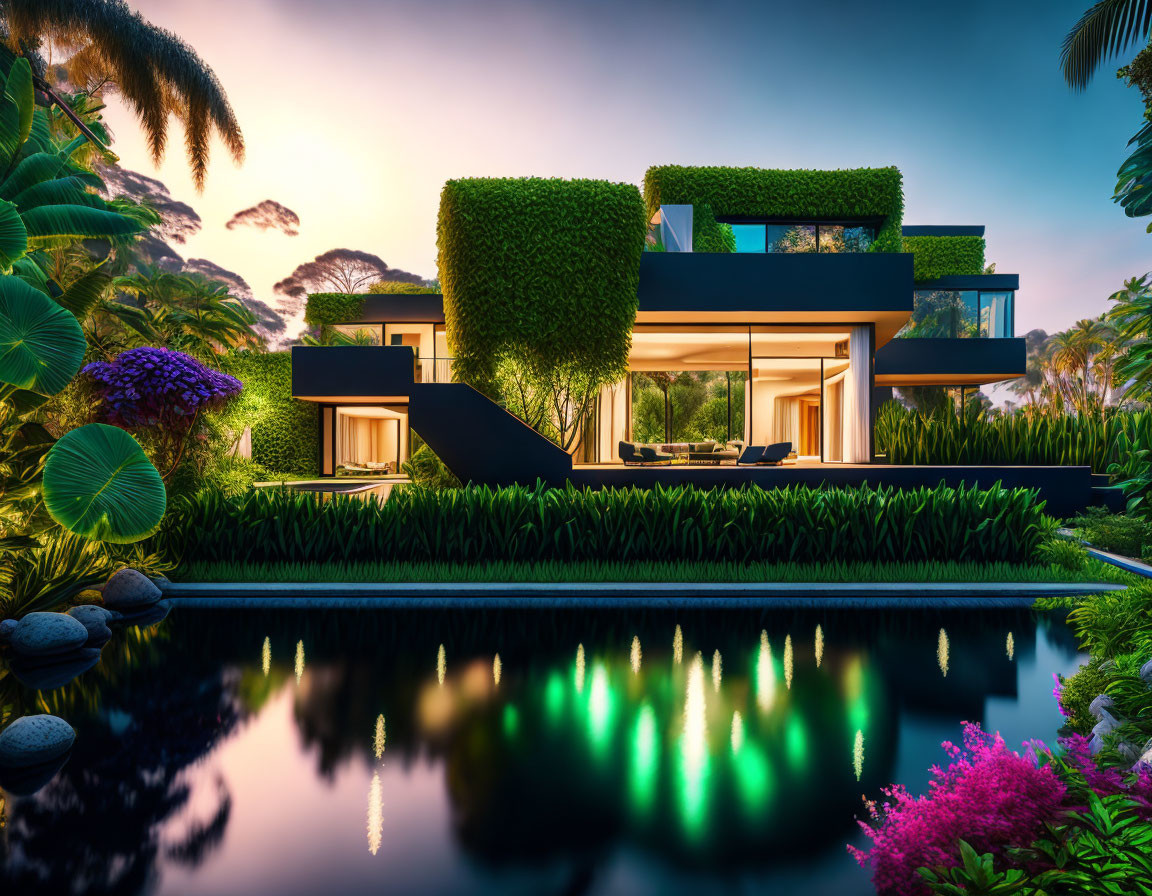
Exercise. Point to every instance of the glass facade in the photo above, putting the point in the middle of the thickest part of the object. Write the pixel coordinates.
(960, 314)
(802, 237)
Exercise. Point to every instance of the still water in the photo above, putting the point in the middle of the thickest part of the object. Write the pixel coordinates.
(527, 752)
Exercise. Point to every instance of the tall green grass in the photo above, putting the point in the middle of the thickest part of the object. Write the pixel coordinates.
(554, 571)
(519, 524)
(973, 437)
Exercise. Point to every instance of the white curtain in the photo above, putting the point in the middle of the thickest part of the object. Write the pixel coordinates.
(363, 439)
(857, 397)
(786, 421)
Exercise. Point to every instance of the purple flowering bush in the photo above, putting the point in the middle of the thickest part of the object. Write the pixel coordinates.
(989, 796)
(160, 392)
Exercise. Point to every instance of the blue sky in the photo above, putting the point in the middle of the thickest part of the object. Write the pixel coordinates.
(355, 113)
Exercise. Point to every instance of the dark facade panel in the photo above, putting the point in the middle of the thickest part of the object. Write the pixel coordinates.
(351, 371)
(941, 358)
(700, 281)
(416, 308)
(942, 230)
(990, 282)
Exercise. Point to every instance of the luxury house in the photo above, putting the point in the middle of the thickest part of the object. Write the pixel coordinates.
(799, 296)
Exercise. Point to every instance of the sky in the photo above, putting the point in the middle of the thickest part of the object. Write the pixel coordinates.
(355, 113)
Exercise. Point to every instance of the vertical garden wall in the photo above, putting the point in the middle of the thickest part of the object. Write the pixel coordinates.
(284, 429)
(945, 256)
(539, 280)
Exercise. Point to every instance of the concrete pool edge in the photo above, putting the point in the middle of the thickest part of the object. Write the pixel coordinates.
(312, 595)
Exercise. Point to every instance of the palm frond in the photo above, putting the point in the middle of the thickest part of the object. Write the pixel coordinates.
(157, 73)
(1105, 30)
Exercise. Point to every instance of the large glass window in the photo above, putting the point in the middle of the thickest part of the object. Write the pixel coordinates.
(671, 407)
(961, 313)
(802, 237)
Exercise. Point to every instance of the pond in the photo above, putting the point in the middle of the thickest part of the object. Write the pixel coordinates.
(604, 752)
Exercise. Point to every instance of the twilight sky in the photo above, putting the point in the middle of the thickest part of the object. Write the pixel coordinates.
(356, 111)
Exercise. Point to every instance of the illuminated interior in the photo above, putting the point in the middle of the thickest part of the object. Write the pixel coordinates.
(370, 441)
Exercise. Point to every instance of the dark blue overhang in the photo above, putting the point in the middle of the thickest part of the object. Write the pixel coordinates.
(942, 230)
(949, 362)
(685, 282)
(401, 308)
(972, 281)
(350, 373)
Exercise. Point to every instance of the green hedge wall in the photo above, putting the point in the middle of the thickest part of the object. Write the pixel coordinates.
(543, 271)
(850, 194)
(284, 430)
(323, 309)
(399, 287)
(945, 256)
(683, 523)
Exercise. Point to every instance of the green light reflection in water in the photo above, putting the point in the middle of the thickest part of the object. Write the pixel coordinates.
(755, 778)
(602, 700)
(554, 697)
(644, 760)
(511, 720)
(796, 741)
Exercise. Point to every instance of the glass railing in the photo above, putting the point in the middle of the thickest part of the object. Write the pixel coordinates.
(961, 314)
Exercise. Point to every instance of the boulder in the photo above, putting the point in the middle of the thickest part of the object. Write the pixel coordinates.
(95, 620)
(130, 589)
(26, 781)
(1101, 703)
(7, 626)
(1107, 724)
(1146, 673)
(35, 740)
(49, 673)
(45, 634)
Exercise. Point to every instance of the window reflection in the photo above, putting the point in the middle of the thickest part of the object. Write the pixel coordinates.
(791, 237)
(802, 237)
(960, 314)
(749, 237)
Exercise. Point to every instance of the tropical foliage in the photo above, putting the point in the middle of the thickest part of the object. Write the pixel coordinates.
(687, 406)
(944, 256)
(976, 436)
(107, 44)
(474, 525)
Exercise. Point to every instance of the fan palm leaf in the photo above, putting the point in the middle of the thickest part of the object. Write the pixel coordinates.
(156, 72)
(1107, 29)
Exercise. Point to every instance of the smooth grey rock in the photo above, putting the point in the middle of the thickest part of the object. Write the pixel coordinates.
(44, 634)
(26, 781)
(1129, 751)
(1101, 703)
(130, 589)
(95, 620)
(1107, 724)
(35, 740)
(7, 626)
(49, 673)
(1146, 673)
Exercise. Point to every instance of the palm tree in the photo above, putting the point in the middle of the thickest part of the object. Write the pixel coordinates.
(157, 73)
(1132, 316)
(1107, 29)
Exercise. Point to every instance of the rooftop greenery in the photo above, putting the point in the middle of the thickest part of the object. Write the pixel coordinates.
(945, 256)
(853, 194)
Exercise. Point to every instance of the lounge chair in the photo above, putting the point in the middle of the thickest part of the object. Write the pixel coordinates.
(772, 455)
(639, 454)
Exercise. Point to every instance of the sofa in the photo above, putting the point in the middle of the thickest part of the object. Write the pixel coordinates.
(632, 453)
(714, 452)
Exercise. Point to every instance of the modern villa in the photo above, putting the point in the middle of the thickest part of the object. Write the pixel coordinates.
(801, 292)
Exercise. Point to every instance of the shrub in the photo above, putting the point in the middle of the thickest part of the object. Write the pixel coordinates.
(1062, 553)
(989, 796)
(1127, 535)
(975, 437)
(285, 434)
(717, 192)
(399, 287)
(944, 256)
(519, 524)
(323, 309)
(1076, 692)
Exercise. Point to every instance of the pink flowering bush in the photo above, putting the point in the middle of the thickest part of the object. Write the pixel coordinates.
(989, 796)
(1080, 770)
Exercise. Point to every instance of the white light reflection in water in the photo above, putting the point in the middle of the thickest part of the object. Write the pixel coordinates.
(819, 646)
(788, 661)
(678, 645)
(858, 754)
(299, 661)
(942, 652)
(635, 654)
(737, 731)
(375, 814)
(716, 671)
(497, 667)
(441, 665)
(266, 655)
(1010, 646)
(379, 738)
(695, 716)
(580, 668)
(765, 675)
